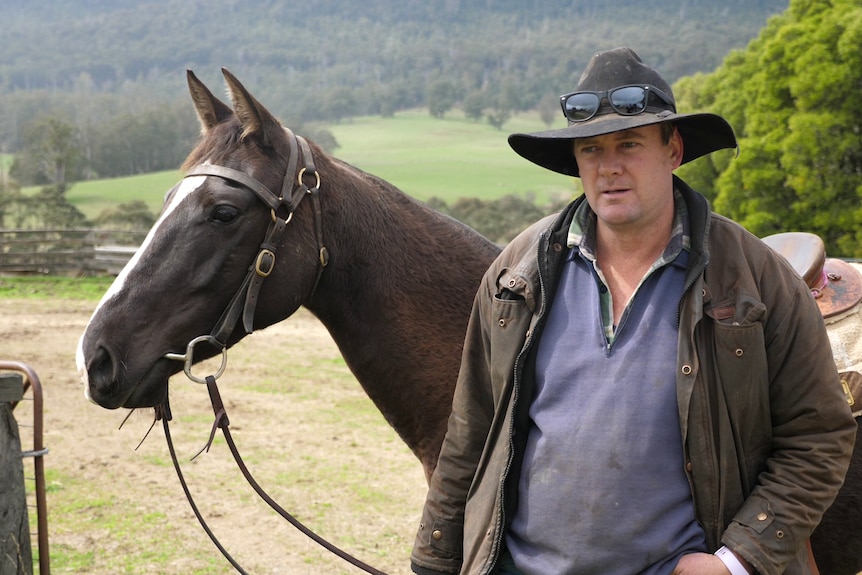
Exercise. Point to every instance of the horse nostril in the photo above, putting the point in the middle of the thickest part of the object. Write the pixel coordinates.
(101, 372)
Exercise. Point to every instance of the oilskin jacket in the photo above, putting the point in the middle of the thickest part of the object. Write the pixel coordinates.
(766, 429)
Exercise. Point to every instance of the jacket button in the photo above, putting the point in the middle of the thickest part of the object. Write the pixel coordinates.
(502, 322)
(686, 370)
(688, 466)
(437, 534)
(739, 352)
(761, 516)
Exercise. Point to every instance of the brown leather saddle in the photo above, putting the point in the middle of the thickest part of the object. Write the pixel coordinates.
(834, 283)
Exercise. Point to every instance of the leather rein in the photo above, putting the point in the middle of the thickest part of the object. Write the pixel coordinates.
(243, 304)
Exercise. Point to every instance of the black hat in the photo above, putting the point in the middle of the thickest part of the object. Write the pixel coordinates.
(553, 149)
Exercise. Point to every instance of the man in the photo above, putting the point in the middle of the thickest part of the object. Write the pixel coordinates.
(645, 387)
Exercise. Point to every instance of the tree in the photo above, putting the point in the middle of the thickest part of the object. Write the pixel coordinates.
(505, 101)
(338, 104)
(50, 152)
(549, 109)
(128, 216)
(441, 96)
(10, 193)
(474, 105)
(498, 116)
(501, 219)
(792, 99)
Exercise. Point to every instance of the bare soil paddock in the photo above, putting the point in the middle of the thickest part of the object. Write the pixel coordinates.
(306, 429)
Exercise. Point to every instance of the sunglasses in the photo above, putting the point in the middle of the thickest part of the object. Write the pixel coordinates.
(625, 100)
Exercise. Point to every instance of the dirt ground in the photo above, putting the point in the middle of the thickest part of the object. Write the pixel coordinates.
(303, 424)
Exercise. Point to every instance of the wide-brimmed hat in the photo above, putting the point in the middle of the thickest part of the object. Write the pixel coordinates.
(701, 133)
(835, 284)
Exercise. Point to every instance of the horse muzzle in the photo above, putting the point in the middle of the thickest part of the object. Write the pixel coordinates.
(108, 383)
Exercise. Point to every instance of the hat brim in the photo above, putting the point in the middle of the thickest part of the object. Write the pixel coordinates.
(701, 133)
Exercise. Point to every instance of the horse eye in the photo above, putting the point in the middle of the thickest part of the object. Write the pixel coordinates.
(224, 214)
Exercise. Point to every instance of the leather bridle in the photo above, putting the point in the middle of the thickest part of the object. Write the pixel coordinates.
(287, 201)
(243, 304)
(290, 197)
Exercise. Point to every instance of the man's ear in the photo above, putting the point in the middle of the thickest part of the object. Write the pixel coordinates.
(676, 147)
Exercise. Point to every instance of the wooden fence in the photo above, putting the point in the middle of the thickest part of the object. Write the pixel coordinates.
(71, 251)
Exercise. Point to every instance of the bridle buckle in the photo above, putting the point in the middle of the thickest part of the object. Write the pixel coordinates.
(264, 263)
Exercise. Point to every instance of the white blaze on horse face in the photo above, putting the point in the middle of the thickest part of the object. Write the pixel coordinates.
(187, 187)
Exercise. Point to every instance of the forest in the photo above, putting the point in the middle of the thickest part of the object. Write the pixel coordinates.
(107, 83)
(93, 62)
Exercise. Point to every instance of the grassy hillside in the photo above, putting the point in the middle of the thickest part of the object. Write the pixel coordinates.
(425, 157)
(449, 158)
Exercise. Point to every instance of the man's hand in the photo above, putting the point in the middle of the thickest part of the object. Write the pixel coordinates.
(700, 564)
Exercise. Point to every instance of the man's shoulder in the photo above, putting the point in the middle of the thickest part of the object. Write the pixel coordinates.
(531, 235)
(731, 245)
(724, 229)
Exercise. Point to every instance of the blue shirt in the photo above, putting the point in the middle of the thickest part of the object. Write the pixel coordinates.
(603, 487)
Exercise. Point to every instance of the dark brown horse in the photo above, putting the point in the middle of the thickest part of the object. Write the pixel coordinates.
(399, 275)
(392, 280)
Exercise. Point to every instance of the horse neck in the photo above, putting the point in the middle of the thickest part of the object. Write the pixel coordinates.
(396, 304)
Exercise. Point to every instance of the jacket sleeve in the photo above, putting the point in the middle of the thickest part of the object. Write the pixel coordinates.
(812, 437)
(438, 544)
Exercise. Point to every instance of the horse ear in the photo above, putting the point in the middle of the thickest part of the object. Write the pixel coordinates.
(210, 109)
(255, 119)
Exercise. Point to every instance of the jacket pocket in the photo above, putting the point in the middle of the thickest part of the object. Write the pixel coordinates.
(742, 368)
(506, 336)
(740, 354)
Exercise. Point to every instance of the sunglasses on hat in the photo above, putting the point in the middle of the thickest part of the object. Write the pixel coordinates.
(625, 100)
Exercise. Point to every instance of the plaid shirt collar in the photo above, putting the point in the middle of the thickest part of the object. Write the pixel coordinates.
(582, 232)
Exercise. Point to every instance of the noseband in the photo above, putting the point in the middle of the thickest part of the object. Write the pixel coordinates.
(293, 190)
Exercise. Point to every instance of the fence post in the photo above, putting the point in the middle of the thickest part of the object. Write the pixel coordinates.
(15, 554)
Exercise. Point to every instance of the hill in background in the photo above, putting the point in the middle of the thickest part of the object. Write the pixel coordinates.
(335, 59)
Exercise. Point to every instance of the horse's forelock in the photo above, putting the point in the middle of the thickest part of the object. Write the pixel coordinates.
(218, 142)
(225, 141)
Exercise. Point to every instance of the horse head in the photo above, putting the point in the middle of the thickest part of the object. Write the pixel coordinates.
(240, 204)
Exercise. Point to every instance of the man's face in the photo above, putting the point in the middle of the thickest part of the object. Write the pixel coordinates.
(627, 176)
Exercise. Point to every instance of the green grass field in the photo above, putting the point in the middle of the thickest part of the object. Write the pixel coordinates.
(54, 287)
(449, 158)
(97, 195)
